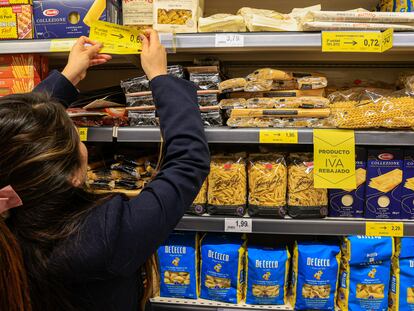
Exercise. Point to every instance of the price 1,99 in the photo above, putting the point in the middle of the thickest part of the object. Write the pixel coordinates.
(241, 225)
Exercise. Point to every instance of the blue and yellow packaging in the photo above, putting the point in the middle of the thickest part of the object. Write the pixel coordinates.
(396, 6)
(350, 203)
(402, 276)
(365, 273)
(407, 197)
(267, 275)
(178, 266)
(315, 268)
(222, 275)
(384, 184)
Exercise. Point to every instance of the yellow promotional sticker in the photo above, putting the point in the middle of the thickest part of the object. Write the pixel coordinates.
(83, 133)
(357, 41)
(334, 159)
(116, 39)
(394, 229)
(278, 136)
(61, 45)
(8, 23)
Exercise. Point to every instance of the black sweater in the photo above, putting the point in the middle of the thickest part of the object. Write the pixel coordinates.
(101, 265)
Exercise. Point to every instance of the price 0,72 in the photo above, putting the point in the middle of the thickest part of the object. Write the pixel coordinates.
(371, 42)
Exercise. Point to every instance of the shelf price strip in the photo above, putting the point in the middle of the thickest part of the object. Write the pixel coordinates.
(393, 229)
(229, 40)
(240, 225)
(83, 133)
(278, 136)
(357, 41)
(61, 45)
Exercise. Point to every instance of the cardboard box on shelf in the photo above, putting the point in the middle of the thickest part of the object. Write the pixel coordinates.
(72, 19)
(23, 66)
(14, 2)
(14, 86)
(137, 12)
(16, 22)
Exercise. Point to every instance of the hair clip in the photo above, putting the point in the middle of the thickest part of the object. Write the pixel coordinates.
(9, 199)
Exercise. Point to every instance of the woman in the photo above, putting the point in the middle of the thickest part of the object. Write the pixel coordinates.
(64, 248)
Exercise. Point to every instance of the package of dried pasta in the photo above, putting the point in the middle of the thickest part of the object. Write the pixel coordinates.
(222, 23)
(402, 276)
(232, 85)
(199, 205)
(267, 185)
(315, 267)
(222, 268)
(227, 186)
(304, 201)
(365, 273)
(308, 102)
(270, 74)
(178, 257)
(267, 275)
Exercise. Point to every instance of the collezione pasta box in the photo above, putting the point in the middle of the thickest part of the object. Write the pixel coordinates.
(315, 268)
(72, 19)
(267, 275)
(407, 197)
(350, 203)
(178, 265)
(402, 276)
(384, 184)
(16, 21)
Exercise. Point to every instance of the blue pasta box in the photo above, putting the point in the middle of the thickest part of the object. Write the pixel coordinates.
(407, 197)
(384, 184)
(72, 19)
(347, 202)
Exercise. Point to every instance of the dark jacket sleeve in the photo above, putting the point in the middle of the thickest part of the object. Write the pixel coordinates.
(59, 88)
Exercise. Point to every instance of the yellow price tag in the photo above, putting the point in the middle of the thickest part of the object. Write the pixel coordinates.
(83, 133)
(334, 159)
(278, 136)
(61, 45)
(395, 229)
(357, 41)
(116, 39)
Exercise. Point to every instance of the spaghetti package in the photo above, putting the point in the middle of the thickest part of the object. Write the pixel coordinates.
(199, 205)
(304, 201)
(232, 85)
(315, 268)
(178, 266)
(350, 203)
(222, 23)
(320, 26)
(222, 268)
(267, 275)
(227, 186)
(384, 184)
(267, 185)
(407, 197)
(365, 273)
(402, 276)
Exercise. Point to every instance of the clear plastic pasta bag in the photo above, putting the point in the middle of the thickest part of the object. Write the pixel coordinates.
(199, 205)
(142, 118)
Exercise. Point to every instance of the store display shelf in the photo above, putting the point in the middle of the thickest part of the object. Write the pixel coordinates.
(168, 304)
(327, 226)
(100, 134)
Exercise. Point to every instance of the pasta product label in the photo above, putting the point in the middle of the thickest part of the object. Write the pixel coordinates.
(176, 16)
(407, 198)
(384, 184)
(402, 276)
(267, 273)
(137, 12)
(361, 249)
(267, 185)
(350, 203)
(222, 268)
(16, 22)
(178, 266)
(314, 276)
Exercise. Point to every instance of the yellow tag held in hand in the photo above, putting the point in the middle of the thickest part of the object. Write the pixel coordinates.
(278, 136)
(116, 39)
(83, 133)
(395, 229)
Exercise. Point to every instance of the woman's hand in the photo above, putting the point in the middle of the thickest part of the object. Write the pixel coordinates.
(153, 56)
(82, 57)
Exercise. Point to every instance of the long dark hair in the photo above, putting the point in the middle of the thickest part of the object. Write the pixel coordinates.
(39, 155)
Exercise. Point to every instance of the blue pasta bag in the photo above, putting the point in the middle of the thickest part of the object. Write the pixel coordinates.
(360, 249)
(402, 276)
(178, 266)
(267, 275)
(222, 268)
(315, 268)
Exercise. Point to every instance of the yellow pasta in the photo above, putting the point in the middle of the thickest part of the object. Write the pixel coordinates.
(370, 291)
(387, 182)
(177, 278)
(315, 291)
(202, 195)
(409, 183)
(265, 291)
(410, 295)
(174, 17)
(216, 282)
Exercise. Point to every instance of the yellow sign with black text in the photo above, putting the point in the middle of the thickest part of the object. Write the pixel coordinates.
(395, 229)
(279, 136)
(116, 39)
(334, 159)
(357, 41)
(83, 133)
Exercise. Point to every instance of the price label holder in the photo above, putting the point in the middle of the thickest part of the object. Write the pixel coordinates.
(240, 225)
(229, 40)
(116, 39)
(334, 159)
(393, 229)
(61, 45)
(83, 133)
(169, 41)
(278, 136)
(357, 41)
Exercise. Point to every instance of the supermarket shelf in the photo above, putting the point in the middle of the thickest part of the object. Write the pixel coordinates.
(169, 304)
(328, 226)
(100, 134)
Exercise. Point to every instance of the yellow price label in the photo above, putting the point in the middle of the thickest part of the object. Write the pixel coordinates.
(116, 39)
(61, 45)
(357, 41)
(394, 229)
(278, 136)
(83, 133)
